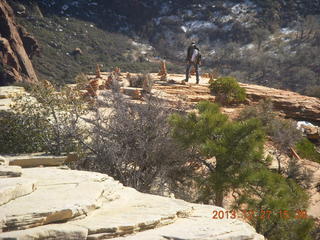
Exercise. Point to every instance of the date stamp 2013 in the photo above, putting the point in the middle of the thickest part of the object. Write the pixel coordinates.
(260, 214)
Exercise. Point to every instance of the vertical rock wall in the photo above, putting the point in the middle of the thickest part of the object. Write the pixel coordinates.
(15, 64)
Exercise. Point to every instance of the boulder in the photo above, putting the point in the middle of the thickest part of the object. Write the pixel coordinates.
(124, 216)
(311, 131)
(135, 93)
(199, 226)
(5, 104)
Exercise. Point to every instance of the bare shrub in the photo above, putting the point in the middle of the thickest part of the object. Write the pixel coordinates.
(262, 111)
(141, 81)
(301, 175)
(283, 132)
(132, 142)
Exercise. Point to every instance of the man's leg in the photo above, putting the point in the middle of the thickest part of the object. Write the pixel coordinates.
(196, 66)
(188, 71)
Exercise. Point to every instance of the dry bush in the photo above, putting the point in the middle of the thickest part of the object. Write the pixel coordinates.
(141, 81)
(132, 142)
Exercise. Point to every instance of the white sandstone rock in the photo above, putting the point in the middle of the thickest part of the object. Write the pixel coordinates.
(94, 206)
(12, 188)
(10, 171)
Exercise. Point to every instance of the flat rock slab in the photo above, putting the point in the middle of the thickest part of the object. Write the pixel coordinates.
(11, 91)
(36, 160)
(52, 176)
(52, 231)
(62, 195)
(133, 212)
(12, 188)
(10, 171)
(199, 226)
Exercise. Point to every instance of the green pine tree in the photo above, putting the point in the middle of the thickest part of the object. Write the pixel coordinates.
(236, 146)
(240, 168)
(279, 206)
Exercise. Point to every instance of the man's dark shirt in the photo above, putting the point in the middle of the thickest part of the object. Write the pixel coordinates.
(191, 48)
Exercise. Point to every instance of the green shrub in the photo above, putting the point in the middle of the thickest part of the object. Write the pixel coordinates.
(228, 90)
(45, 120)
(306, 149)
(20, 133)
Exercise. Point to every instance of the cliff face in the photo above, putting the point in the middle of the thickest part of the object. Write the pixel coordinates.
(15, 64)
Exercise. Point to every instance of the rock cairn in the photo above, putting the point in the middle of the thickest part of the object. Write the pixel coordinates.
(163, 71)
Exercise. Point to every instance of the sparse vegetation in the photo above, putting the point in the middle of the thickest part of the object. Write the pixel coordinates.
(263, 111)
(141, 81)
(283, 132)
(59, 37)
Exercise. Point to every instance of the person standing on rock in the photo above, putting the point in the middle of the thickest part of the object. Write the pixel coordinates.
(193, 59)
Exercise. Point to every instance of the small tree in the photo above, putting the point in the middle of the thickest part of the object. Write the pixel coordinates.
(228, 90)
(237, 147)
(259, 35)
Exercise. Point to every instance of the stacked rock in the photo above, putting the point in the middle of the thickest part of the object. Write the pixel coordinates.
(163, 71)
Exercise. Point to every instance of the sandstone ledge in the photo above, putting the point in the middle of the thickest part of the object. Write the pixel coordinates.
(35, 160)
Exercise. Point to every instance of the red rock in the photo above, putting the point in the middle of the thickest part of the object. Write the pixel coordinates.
(13, 55)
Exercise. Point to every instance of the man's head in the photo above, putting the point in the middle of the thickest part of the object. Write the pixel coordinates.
(193, 43)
